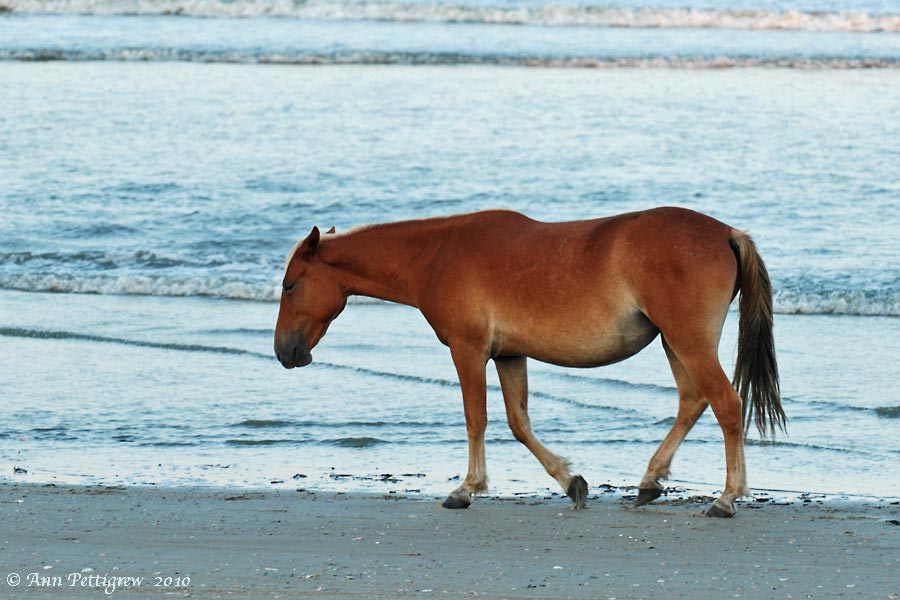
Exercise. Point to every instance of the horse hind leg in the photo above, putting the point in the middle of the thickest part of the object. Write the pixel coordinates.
(726, 404)
(514, 383)
(715, 387)
(691, 405)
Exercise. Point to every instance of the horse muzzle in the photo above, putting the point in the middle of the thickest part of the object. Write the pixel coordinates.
(291, 351)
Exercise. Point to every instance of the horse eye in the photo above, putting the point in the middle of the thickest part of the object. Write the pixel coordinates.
(289, 287)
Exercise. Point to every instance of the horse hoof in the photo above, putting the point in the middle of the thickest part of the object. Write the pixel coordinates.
(454, 502)
(578, 489)
(715, 511)
(647, 495)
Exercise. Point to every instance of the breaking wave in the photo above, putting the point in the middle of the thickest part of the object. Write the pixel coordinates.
(142, 285)
(863, 302)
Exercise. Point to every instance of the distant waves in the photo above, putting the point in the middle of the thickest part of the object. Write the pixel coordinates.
(858, 21)
(547, 36)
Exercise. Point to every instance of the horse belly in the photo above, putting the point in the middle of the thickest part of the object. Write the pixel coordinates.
(582, 342)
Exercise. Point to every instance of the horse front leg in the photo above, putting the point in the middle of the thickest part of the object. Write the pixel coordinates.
(470, 367)
(513, 374)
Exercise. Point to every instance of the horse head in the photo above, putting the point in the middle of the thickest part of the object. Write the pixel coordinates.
(311, 298)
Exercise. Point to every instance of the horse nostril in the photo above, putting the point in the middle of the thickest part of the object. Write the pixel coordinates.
(294, 355)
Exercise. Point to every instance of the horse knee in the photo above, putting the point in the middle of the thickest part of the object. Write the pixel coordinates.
(476, 426)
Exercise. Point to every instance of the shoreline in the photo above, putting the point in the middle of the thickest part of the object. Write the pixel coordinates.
(235, 542)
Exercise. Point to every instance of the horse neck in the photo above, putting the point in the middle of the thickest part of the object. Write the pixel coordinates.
(381, 261)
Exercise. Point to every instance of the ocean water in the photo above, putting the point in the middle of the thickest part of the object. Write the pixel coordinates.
(158, 159)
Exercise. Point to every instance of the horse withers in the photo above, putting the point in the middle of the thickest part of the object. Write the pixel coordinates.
(499, 286)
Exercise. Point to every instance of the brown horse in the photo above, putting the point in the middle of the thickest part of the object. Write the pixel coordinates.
(498, 285)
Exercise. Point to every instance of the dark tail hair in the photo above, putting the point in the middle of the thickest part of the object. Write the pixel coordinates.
(756, 370)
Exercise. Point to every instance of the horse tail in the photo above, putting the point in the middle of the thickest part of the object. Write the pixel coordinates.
(756, 370)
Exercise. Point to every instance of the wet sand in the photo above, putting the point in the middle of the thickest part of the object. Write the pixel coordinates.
(299, 544)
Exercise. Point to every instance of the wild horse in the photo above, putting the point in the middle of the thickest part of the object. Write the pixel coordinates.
(498, 285)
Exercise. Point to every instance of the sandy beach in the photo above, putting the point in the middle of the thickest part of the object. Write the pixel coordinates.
(92, 542)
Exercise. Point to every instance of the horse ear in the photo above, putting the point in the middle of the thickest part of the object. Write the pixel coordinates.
(332, 230)
(311, 243)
